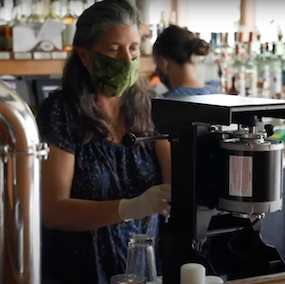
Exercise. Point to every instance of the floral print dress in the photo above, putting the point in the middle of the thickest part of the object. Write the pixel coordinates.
(102, 171)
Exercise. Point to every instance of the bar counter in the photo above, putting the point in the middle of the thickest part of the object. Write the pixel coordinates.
(278, 278)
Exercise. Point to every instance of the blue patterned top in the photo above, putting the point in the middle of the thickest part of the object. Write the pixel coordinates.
(103, 171)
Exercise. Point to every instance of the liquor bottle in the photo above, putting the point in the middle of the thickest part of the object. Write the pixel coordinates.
(225, 72)
(235, 39)
(219, 43)
(69, 20)
(267, 51)
(5, 30)
(54, 10)
(283, 65)
(242, 46)
(238, 71)
(225, 47)
(263, 77)
(162, 25)
(24, 14)
(173, 18)
(275, 74)
(211, 66)
(18, 16)
(37, 15)
(233, 90)
(240, 37)
(213, 41)
(223, 59)
(250, 70)
(86, 4)
(200, 65)
(17, 19)
(78, 7)
(280, 44)
(258, 41)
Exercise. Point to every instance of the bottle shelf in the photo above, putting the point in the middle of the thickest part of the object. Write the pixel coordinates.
(25, 67)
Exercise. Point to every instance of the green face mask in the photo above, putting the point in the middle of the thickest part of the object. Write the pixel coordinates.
(113, 76)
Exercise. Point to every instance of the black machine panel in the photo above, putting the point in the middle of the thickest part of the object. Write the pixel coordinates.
(223, 184)
(174, 116)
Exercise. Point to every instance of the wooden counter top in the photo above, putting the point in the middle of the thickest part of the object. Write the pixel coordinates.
(278, 278)
(53, 67)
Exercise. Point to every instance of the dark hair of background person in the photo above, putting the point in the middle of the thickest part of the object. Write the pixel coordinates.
(179, 44)
(78, 89)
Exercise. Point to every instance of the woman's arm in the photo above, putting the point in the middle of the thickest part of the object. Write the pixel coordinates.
(163, 152)
(62, 213)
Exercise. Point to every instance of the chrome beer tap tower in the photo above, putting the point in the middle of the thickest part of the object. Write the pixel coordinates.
(21, 153)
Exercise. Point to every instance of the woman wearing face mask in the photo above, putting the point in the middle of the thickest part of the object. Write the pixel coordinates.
(96, 193)
(175, 53)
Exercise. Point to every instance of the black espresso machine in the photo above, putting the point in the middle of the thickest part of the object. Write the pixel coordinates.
(224, 181)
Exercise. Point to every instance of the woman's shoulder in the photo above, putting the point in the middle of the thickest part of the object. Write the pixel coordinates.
(54, 100)
(56, 124)
(55, 109)
(55, 105)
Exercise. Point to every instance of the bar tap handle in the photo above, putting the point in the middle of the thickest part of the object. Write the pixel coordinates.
(130, 139)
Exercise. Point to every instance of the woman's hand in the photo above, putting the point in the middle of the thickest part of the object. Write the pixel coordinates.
(153, 201)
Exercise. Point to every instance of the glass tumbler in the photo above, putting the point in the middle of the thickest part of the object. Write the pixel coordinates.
(141, 258)
(128, 278)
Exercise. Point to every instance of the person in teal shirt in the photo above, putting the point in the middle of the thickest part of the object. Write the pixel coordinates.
(175, 53)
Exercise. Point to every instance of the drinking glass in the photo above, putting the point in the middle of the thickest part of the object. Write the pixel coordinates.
(128, 278)
(141, 258)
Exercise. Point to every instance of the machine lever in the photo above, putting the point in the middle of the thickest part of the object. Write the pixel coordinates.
(130, 139)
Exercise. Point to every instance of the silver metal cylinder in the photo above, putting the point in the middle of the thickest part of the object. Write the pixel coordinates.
(20, 157)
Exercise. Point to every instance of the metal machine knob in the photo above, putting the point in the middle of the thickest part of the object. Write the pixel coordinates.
(269, 128)
(130, 139)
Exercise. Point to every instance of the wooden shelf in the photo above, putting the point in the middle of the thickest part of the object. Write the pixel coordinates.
(53, 67)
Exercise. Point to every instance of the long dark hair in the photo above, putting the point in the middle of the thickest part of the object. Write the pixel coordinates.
(78, 89)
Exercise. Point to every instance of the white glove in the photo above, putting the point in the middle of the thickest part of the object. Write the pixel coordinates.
(153, 201)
